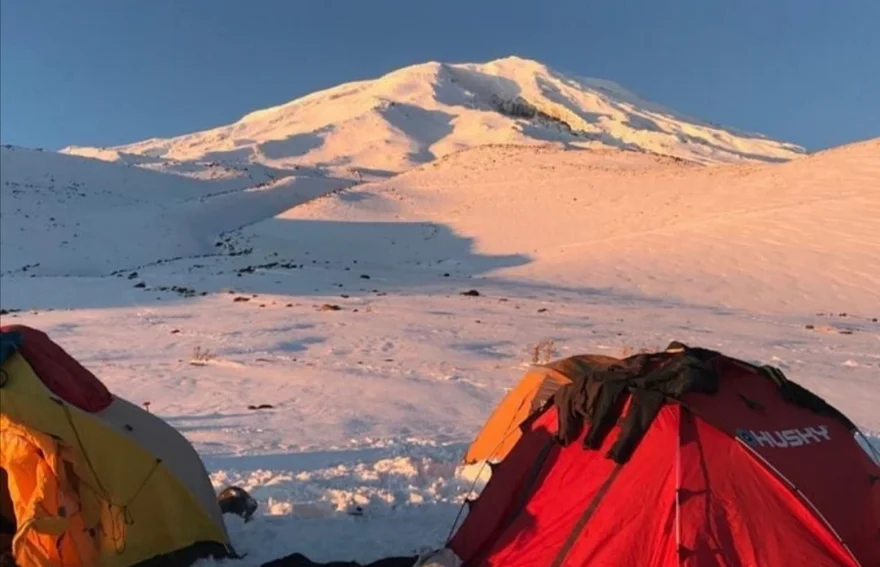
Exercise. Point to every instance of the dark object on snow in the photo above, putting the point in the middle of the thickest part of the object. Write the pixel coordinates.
(261, 406)
(235, 500)
(471, 293)
(300, 560)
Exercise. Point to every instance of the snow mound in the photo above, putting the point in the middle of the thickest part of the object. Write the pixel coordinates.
(417, 114)
(378, 498)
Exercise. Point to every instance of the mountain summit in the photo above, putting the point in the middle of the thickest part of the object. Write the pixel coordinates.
(419, 113)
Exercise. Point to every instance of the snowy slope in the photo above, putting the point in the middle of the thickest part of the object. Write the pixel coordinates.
(798, 235)
(67, 215)
(345, 312)
(419, 113)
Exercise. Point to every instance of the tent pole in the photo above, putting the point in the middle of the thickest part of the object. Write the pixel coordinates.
(869, 446)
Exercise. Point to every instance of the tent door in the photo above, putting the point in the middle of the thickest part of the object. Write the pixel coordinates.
(8, 525)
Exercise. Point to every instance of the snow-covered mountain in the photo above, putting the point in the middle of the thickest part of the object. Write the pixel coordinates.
(419, 113)
(375, 325)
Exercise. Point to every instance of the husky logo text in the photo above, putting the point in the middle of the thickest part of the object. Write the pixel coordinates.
(783, 438)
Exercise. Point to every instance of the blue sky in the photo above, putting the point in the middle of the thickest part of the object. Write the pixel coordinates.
(118, 71)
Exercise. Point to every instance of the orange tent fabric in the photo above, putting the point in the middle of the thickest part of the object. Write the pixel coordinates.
(502, 430)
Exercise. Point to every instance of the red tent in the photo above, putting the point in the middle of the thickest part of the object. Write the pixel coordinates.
(681, 458)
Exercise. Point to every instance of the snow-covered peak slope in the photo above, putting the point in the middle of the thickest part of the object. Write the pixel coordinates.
(798, 236)
(419, 113)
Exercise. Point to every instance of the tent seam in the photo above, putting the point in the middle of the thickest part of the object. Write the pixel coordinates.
(678, 539)
(799, 493)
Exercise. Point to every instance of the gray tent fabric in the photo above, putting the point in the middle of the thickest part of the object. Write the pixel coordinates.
(161, 439)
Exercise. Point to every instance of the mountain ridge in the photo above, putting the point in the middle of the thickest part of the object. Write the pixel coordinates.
(418, 113)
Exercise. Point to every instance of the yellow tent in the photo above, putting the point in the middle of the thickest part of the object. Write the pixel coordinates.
(95, 483)
(502, 430)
